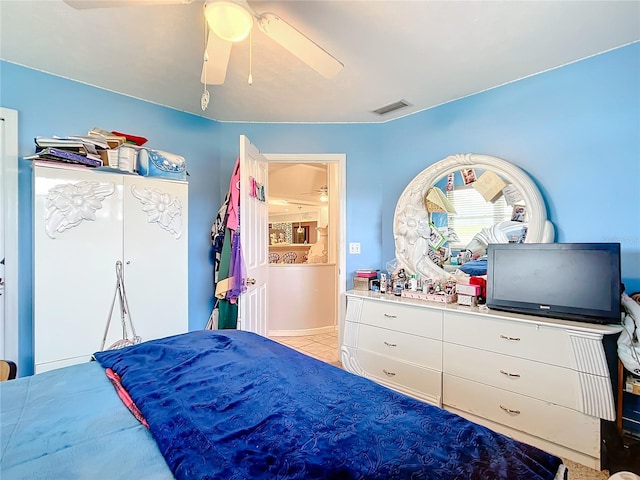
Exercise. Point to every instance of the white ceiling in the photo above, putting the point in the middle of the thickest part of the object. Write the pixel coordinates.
(294, 188)
(424, 52)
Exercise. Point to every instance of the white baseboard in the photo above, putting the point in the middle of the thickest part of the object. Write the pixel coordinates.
(302, 332)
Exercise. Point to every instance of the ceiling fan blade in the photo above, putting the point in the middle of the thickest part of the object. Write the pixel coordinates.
(300, 45)
(217, 56)
(84, 4)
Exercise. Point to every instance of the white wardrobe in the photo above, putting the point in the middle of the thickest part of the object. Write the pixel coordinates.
(85, 222)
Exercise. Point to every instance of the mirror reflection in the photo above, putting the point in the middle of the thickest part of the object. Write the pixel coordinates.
(447, 216)
(287, 233)
(470, 211)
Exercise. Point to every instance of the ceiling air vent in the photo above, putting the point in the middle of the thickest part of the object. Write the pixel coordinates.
(392, 107)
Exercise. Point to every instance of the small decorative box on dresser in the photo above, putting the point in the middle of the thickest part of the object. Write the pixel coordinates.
(540, 380)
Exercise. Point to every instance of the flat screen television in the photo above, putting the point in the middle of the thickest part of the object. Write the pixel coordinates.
(574, 281)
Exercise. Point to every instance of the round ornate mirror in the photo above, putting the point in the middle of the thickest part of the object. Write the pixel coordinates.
(414, 230)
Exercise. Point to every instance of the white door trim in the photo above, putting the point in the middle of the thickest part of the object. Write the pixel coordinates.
(9, 205)
(341, 160)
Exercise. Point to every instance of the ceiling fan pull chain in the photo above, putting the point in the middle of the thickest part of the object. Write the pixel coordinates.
(250, 56)
(204, 99)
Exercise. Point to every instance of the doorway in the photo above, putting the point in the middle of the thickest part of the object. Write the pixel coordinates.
(306, 196)
(298, 205)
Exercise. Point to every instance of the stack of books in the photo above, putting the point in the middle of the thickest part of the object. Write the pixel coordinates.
(113, 139)
(83, 150)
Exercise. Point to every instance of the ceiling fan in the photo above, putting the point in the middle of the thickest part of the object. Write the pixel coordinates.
(322, 192)
(230, 21)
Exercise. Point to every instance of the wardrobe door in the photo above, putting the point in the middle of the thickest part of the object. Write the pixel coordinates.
(156, 255)
(77, 233)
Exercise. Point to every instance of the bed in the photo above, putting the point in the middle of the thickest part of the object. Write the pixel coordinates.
(235, 405)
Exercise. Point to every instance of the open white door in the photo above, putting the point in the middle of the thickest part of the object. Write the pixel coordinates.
(254, 237)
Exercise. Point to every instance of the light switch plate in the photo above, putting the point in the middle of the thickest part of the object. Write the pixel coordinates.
(354, 248)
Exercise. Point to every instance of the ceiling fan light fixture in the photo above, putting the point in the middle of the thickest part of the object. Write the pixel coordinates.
(324, 196)
(229, 20)
(300, 229)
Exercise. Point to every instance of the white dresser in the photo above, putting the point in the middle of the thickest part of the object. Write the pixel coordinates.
(543, 381)
(85, 221)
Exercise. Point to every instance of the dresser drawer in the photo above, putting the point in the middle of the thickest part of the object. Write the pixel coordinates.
(425, 352)
(551, 422)
(539, 380)
(419, 382)
(518, 339)
(403, 318)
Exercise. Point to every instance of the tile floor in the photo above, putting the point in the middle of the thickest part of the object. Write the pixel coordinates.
(323, 346)
(580, 472)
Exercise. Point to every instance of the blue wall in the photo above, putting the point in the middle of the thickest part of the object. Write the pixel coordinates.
(575, 130)
(71, 108)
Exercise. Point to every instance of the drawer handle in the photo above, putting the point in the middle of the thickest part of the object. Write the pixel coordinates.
(388, 374)
(509, 410)
(515, 339)
(517, 375)
(390, 344)
(390, 316)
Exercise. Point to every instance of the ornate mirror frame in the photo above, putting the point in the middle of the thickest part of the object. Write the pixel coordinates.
(411, 219)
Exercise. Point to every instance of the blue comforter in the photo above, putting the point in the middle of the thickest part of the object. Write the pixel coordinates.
(235, 405)
(69, 424)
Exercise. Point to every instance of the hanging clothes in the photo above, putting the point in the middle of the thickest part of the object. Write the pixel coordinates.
(217, 236)
(217, 241)
(233, 212)
(227, 315)
(237, 271)
(231, 282)
(227, 307)
(222, 286)
(228, 276)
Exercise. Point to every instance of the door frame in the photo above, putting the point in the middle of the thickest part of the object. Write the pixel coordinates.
(337, 163)
(9, 228)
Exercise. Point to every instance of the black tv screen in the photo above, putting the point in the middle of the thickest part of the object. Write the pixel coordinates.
(575, 281)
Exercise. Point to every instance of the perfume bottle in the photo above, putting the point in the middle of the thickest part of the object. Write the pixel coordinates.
(383, 283)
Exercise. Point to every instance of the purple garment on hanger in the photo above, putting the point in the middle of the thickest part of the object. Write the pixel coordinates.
(237, 270)
(233, 212)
